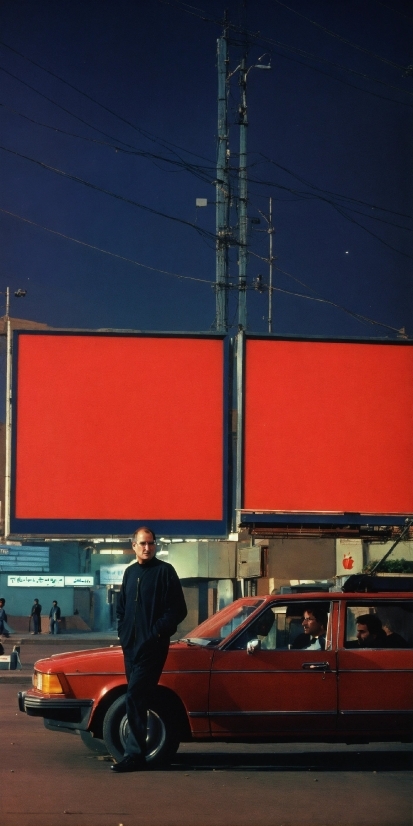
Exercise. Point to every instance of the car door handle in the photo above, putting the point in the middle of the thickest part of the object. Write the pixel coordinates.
(316, 666)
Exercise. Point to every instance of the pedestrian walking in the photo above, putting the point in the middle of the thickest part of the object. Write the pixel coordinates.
(3, 618)
(35, 617)
(54, 618)
(151, 604)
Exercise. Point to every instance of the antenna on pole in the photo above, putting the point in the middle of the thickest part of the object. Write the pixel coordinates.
(222, 186)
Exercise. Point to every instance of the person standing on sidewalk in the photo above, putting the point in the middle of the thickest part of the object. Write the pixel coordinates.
(3, 619)
(54, 618)
(35, 616)
(151, 604)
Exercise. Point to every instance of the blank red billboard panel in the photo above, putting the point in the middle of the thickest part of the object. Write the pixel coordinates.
(328, 427)
(119, 428)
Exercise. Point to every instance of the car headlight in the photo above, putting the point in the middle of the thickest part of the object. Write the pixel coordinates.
(48, 683)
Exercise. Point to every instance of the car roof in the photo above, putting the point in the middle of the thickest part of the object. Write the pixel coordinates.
(309, 596)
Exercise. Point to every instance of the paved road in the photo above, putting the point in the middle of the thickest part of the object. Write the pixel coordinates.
(50, 778)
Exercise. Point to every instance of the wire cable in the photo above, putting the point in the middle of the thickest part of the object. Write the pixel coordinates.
(96, 188)
(339, 37)
(195, 169)
(358, 316)
(105, 252)
(144, 132)
(329, 192)
(270, 41)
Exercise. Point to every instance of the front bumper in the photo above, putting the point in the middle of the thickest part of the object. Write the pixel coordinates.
(59, 711)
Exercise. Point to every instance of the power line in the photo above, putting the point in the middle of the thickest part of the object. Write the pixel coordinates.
(358, 316)
(305, 196)
(197, 170)
(342, 39)
(130, 201)
(308, 55)
(267, 41)
(105, 252)
(149, 135)
(329, 192)
(396, 11)
(321, 299)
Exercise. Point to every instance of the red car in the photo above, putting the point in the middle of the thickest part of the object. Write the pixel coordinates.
(242, 675)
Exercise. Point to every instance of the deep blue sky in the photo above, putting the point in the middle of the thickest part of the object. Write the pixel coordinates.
(336, 117)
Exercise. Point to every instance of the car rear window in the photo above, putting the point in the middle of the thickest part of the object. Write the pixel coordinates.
(389, 624)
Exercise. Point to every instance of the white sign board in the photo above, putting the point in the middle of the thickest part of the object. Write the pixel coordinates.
(36, 581)
(79, 581)
(112, 574)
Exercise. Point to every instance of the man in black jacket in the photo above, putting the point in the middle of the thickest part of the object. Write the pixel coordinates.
(36, 617)
(315, 627)
(150, 606)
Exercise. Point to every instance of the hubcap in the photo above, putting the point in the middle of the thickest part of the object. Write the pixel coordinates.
(155, 737)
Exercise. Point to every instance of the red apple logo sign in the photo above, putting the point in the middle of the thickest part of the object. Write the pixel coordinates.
(348, 562)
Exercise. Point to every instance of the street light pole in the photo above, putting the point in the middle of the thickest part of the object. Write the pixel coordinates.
(7, 479)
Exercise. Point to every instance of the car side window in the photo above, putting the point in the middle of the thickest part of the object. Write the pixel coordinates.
(379, 624)
(280, 627)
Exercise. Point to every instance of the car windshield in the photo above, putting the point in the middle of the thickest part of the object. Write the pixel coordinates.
(224, 622)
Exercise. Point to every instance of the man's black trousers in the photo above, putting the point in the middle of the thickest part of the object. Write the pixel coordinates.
(143, 672)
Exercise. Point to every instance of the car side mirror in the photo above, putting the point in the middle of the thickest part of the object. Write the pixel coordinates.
(252, 646)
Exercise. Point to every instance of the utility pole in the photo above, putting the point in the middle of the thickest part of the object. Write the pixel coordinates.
(271, 259)
(242, 198)
(271, 233)
(243, 191)
(222, 188)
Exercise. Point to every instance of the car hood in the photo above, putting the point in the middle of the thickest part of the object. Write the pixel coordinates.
(67, 659)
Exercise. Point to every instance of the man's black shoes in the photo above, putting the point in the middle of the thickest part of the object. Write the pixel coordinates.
(129, 764)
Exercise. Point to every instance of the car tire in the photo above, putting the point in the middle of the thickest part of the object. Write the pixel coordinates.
(163, 732)
(93, 743)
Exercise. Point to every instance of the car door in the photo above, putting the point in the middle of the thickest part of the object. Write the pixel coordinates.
(276, 690)
(375, 697)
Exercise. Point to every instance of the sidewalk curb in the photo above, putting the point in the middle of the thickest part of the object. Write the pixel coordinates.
(66, 639)
(16, 678)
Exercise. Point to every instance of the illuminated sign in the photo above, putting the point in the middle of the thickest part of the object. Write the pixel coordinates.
(15, 558)
(79, 581)
(112, 574)
(36, 581)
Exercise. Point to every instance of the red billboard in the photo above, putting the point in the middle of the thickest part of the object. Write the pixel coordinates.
(328, 427)
(115, 430)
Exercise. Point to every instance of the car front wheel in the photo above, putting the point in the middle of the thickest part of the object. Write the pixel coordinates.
(162, 740)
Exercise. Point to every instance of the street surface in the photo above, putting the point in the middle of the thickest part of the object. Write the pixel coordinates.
(50, 778)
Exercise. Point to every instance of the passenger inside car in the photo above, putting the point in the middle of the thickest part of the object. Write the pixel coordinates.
(369, 633)
(388, 626)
